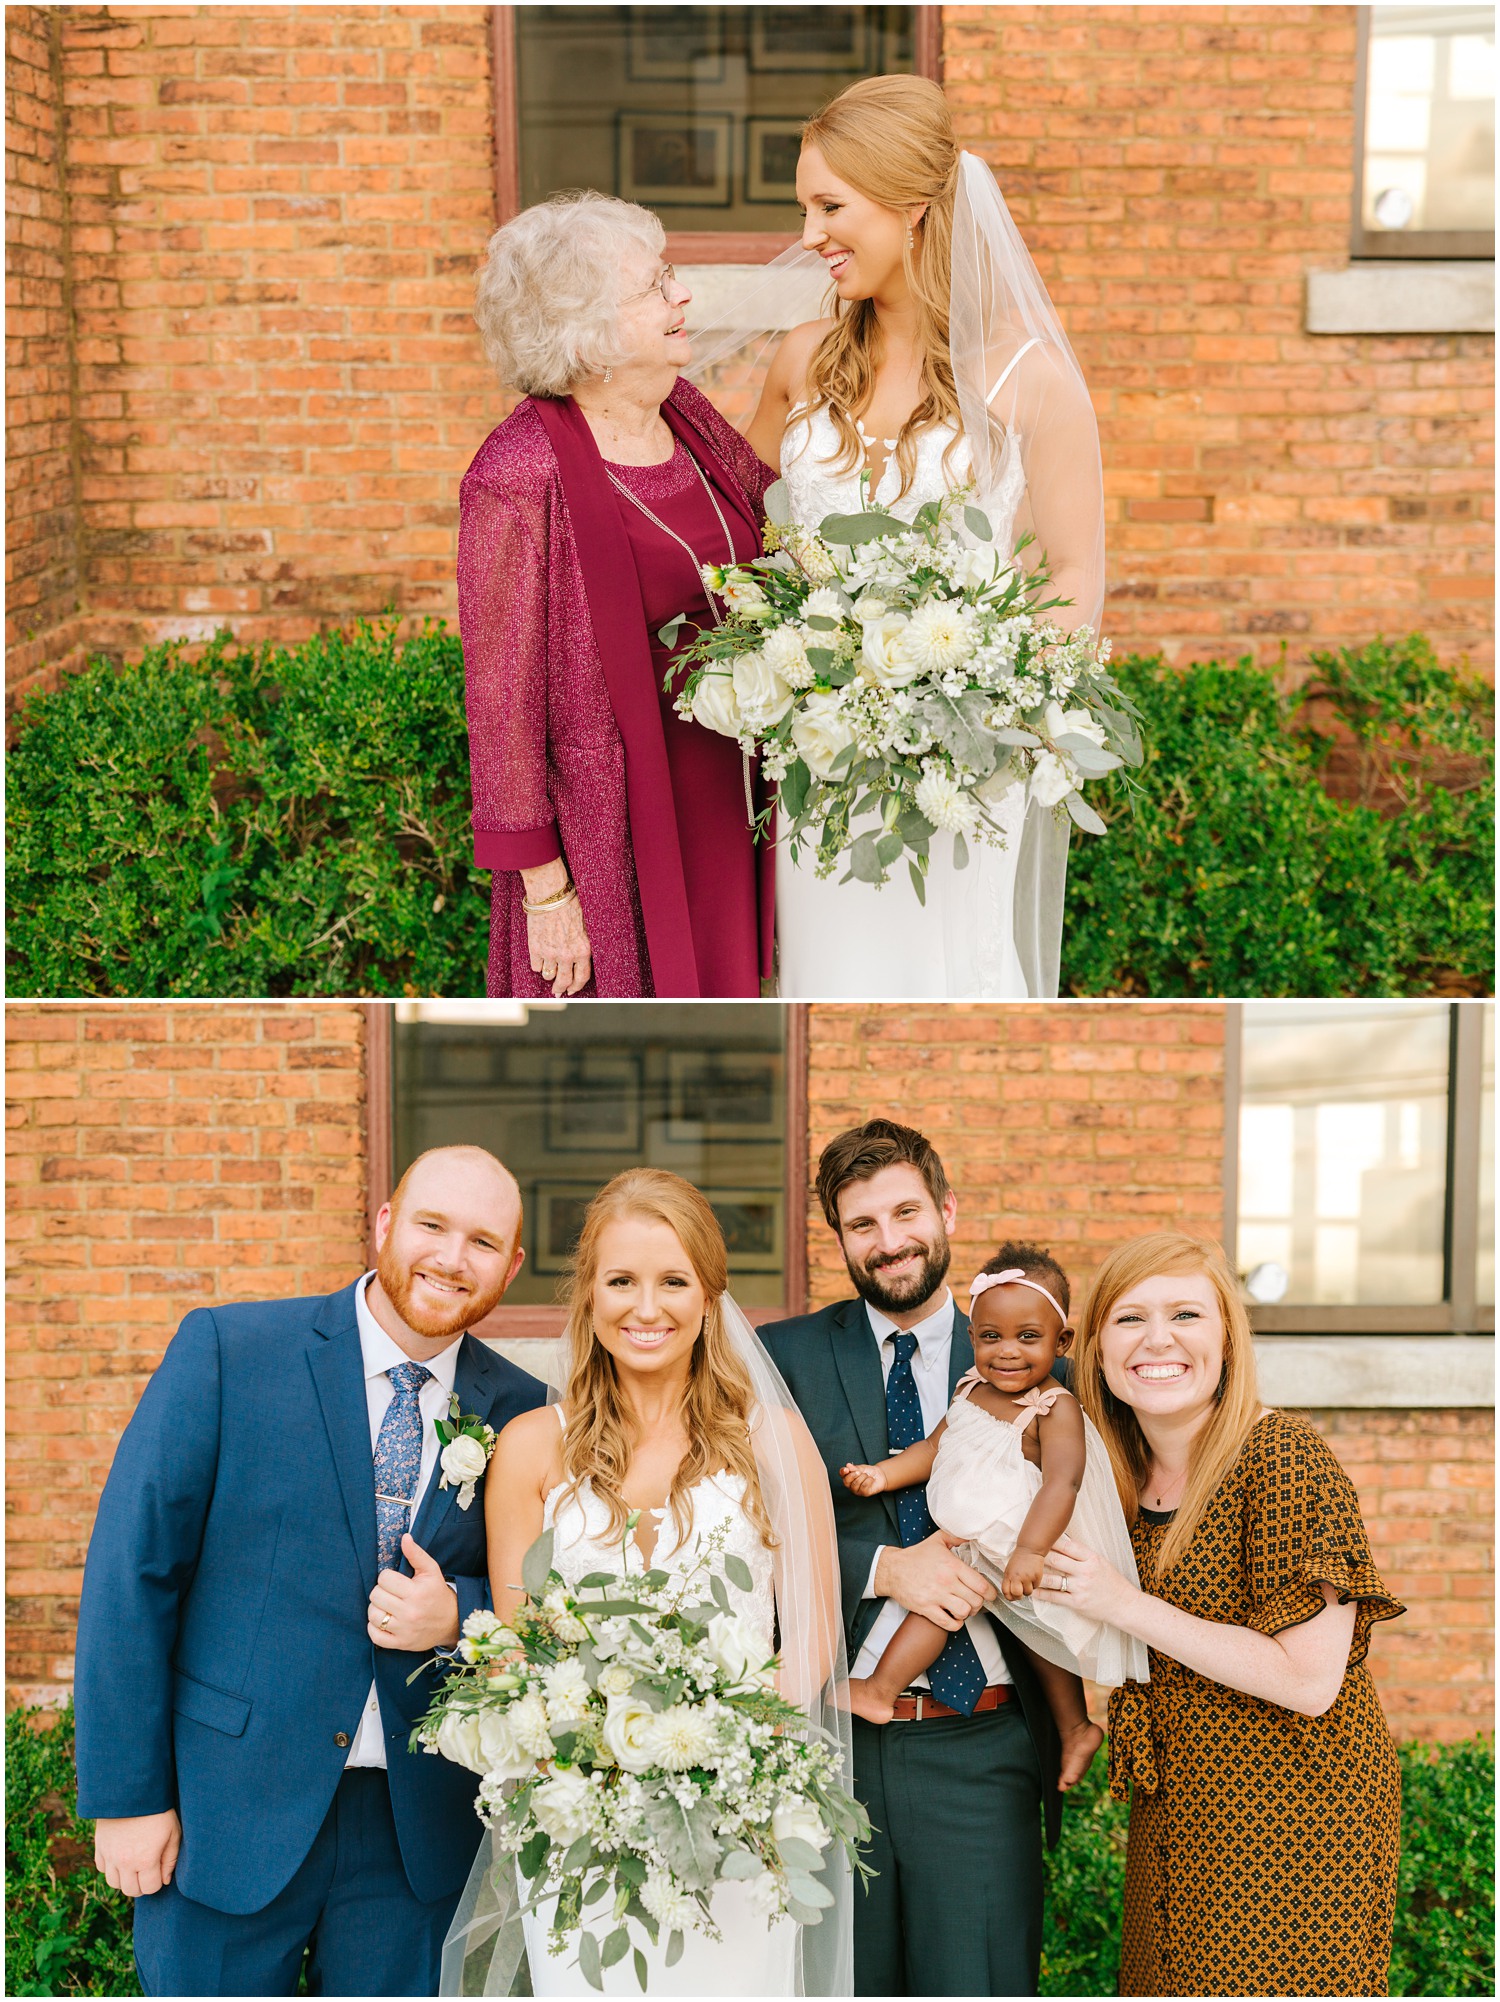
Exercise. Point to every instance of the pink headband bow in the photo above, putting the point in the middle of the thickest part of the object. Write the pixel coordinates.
(1012, 1276)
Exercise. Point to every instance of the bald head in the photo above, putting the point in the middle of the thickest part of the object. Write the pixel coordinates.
(447, 1245)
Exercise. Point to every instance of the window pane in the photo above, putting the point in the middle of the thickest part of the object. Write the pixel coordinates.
(569, 1094)
(1430, 120)
(1486, 1273)
(1343, 1149)
(692, 111)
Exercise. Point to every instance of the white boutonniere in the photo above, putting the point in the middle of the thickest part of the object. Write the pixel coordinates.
(467, 1444)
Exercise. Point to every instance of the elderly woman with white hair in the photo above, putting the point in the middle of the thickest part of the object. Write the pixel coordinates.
(619, 835)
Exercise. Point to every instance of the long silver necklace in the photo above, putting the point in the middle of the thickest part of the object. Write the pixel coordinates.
(693, 558)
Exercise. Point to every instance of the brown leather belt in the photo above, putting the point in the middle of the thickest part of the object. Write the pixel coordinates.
(913, 1705)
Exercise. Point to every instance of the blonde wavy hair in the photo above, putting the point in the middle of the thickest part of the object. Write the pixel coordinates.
(718, 1405)
(891, 137)
(1237, 1405)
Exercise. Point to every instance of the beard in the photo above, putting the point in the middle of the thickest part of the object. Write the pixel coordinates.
(433, 1324)
(899, 1296)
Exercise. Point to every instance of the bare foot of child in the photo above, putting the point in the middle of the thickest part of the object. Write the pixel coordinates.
(864, 1699)
(1078, 1748)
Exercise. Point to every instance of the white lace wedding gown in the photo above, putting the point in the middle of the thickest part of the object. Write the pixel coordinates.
(852, 941)
(751, 1957)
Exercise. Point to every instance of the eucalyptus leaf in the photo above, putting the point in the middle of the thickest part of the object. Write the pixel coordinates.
(631, 1868)
(820, 658)
(1022, 737)
(843, 761)
(737, 1571)
(533, 1853)
(1084, 815)
(960, 852)
(741, 1864)
(821, 623)
(588, 1961)
(807, 1891)
(864, 860)
(578, 1855)
(640, 1968)
(777, 502)
(537, 1564)
(847, 530)
(978, 524)
(799, 1855)
(918, 883)
(674, 1949)
(1086, 754)
(594, 1580)
(806, 1915)
(794, 784)
(596, 1891)
(888, 848)
(615, 1947)
(667, 634)
(721, 1596)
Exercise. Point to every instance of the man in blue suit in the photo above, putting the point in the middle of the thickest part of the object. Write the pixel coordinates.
(959, 1785)
(275, 1554)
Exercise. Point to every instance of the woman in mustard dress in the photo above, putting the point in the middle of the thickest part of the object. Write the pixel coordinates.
(1265, 1793)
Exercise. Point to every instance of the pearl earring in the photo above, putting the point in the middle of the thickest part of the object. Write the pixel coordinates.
(609, 375)
(910, 239)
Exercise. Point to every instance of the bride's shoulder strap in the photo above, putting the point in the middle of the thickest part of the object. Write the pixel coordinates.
(1034, 342)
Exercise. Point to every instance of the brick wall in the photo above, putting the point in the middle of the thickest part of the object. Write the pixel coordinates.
(276, 217)
(1176, 171)
(42, 558)
(157, 1159)
(163, 1157)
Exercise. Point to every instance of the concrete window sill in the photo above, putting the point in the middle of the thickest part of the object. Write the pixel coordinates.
(1402, 297)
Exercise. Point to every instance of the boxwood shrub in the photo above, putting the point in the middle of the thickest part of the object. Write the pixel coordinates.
(296, 821)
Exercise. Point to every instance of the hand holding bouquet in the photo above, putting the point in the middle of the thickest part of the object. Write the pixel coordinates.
(635, 1753)
(903, 673)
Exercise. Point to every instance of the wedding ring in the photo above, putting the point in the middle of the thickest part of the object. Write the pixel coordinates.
(385, 1620)
(549, 972)
(1062, 1581)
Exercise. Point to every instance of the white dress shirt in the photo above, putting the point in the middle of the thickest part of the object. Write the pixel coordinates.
(381, 1354)
(929, 1368)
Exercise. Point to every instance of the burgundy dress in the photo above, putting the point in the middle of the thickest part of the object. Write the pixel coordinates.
(719, 861)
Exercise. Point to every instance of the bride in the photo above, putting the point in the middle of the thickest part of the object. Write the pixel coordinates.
(943, 365)
(674, 1419)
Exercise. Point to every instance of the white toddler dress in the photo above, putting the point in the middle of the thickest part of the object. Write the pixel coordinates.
(982, 1486)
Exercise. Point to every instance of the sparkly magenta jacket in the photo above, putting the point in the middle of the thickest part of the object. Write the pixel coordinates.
(566, 749)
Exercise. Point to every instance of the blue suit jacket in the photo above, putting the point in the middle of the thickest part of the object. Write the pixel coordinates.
(221, 1635)
(831, 1365)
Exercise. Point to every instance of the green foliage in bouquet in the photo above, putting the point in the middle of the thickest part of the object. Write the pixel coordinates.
(289, 821)
(634, 1753)
(1231, 868)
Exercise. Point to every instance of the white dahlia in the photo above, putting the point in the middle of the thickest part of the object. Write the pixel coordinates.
(945, 802)
(681, 1737)
(669, 1906)
(939, 636)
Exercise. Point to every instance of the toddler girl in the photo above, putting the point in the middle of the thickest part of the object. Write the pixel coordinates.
(1010, 1468)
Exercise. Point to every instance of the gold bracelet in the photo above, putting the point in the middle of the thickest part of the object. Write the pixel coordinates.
(553, 903)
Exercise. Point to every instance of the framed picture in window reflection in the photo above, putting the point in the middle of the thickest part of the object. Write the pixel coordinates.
(675, 45)
(830, 39)
(593, 1102)
(751, 1220)
(557, 1211)
(772, 146)
(723, 1095)
(672, 159)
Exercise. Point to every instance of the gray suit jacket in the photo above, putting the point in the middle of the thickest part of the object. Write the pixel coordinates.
(832, 1368)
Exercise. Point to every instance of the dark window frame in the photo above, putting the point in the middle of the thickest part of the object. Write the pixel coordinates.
(1381, 245)
(1460, 1312)
(683, 246)
(541, 1321)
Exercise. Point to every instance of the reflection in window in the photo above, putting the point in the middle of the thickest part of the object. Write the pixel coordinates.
(568, 1095)
(1429, 145)
(1343, 1149)
(692, 111)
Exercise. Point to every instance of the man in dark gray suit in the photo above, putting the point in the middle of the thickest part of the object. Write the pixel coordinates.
(954, 1785)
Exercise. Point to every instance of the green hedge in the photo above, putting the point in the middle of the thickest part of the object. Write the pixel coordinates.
(67, 1933)
(297, 822)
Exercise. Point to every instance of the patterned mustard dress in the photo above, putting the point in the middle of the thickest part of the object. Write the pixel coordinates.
(1263, 1844)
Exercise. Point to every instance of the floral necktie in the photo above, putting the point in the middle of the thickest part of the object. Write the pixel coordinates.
(398, 1461)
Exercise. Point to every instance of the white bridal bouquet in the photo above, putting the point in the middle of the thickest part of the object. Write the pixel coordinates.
(634, 1754)
(906, 672)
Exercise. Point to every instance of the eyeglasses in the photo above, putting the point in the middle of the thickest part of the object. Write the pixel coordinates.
(663, 284)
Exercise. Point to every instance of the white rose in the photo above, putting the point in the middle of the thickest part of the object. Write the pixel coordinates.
(1059, 722)
(504, 1756)
(617, 1680)
(735, 1646)
(799, 1819)
(561, 1805)
(761, 695)
(463, 1459)
(977, 568)
(568, 1691)
(714, 705)
(868, 610)
(820, 731)
(886, 661)
(627, 1727)
(458, 1739)
(1051, 779)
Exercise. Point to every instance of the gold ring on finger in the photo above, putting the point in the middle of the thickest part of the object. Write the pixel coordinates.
(385, 1620)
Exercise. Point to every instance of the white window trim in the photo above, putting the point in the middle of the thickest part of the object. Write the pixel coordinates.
(1403, 296)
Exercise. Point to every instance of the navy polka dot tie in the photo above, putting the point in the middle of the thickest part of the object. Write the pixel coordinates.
(398, 1461)
(957, 1676)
